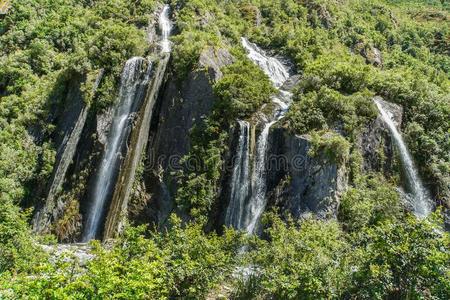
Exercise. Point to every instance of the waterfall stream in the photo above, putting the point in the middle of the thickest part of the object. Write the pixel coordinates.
(132, 86)
(165, 25)
(271, 66)
(420, 199)
(239, 180)
(248, 193)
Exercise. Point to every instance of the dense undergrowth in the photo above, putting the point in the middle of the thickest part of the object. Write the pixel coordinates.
(375, 250)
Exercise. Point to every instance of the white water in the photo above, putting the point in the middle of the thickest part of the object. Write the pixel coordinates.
(239, 179)
(273, 68)
(247, 205)
(257, 202)
(131, 83)
(165, 25)
(421, 203)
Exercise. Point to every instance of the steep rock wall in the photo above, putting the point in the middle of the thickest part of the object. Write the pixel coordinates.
(182, 104)
(376, 145)
(70, 123)
(299, 183)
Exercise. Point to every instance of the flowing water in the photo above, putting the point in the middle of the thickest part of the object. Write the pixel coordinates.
(165, 25)
(132, 85)
(248, 193)
(131, 88)
(239, 179)
(421, 202)
(273, 68)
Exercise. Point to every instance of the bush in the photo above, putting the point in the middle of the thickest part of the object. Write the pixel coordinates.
(182, 262)
(242, 90)
(330, 145)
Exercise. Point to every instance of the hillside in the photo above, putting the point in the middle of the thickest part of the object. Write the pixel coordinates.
(289, 149)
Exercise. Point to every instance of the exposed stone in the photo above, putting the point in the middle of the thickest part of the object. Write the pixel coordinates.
(79, 253)
(182, 106)
(70, 124)
(137, 144)
(300, 184)
(103, 123)
(291, 83)
(322, 13)
(374, 57)
(212, 60)
(372, 54)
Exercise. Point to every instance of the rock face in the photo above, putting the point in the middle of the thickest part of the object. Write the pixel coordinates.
(182, 105)
(376, 145)
(300, 184)
(70, 124)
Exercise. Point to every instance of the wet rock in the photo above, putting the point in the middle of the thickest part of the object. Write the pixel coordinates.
(136, 148)
(182, 105)
(375, 142)
(291, 83)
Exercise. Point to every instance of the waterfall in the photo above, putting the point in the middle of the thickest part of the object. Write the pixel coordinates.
(257, 202)
(421, 203)
(239, 180)
(247, 204)
(271, 66)
(165, 25)
(135, 77)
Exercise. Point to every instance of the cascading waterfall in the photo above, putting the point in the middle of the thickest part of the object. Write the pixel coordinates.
(271, 66)
(239, 180)
(247, 206)
(257, 202)
(165, 25)
(421, 203)
(132, 86)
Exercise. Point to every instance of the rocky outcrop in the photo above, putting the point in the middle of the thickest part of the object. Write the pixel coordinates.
(376, 145)
(182, 105)
(372, 54)
(71, 122)
(298, 183)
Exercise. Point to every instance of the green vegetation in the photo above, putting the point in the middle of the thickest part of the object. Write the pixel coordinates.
(392, 255)
(374, 249)
(44, 46)
(243, 89)
(182, 262)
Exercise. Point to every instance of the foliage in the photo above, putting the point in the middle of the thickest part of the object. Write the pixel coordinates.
(182, 262)
(374, 250)
(392, 256)
(199, 181)
(243, 89)
(404, 259)
(333, 146)
(300, 261)
(45, 47)
(370, 202)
